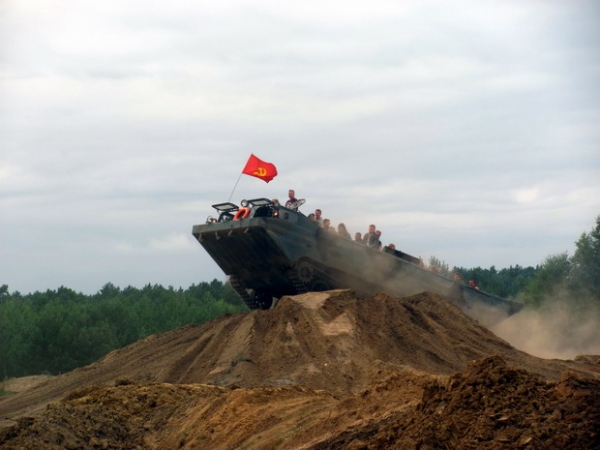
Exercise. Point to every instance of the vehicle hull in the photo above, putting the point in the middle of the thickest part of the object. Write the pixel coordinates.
(287, 254)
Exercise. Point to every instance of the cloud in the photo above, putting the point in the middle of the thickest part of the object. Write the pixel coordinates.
(465, 131)
(174, 242)
(527, 195)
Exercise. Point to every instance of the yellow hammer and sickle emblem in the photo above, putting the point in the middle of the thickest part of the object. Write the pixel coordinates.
(261, 172)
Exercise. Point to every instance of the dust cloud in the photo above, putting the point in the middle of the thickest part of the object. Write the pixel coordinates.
(556, 330)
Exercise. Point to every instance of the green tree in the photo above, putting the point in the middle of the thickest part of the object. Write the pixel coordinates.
(58, 330)
(109, 290)
(550, 280)
(439, 266)
(586, 264)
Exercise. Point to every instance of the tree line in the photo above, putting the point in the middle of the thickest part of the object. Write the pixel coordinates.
(508, 282)
(574, 280)
(59, 330)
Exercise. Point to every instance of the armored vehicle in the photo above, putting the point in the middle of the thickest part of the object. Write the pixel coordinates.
(269, 251)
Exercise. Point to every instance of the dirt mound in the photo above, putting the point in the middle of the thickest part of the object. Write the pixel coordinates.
(299, 375)
(490, 406)
(163, 416)
(14, 385)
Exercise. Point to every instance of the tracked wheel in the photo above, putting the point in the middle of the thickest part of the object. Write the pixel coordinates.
(306, 272)
(320, 283)
(239, 287)
(263, 300)
(306, 277)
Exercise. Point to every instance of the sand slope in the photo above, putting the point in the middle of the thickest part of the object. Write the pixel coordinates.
(322, 370)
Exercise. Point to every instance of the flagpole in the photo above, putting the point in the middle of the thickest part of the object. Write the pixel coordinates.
(236, 183)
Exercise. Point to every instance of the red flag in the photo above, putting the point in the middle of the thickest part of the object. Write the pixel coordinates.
(260, 169)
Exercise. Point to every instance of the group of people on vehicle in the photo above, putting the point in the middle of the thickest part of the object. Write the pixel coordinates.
(372, 238)
(457, 277)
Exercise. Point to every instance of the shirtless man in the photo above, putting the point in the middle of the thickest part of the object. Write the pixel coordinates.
(292, 198)
(318, 217)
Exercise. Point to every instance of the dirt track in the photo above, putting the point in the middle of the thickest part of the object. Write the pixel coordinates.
(321, 370)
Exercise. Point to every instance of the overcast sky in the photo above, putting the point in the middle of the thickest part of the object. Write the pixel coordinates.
(465, 130)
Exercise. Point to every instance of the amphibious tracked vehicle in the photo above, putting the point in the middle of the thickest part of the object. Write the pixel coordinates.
(269, 251)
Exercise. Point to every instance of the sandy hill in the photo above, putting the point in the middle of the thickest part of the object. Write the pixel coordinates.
(322, 370)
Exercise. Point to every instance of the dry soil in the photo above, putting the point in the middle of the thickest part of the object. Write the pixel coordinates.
(319, 371)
